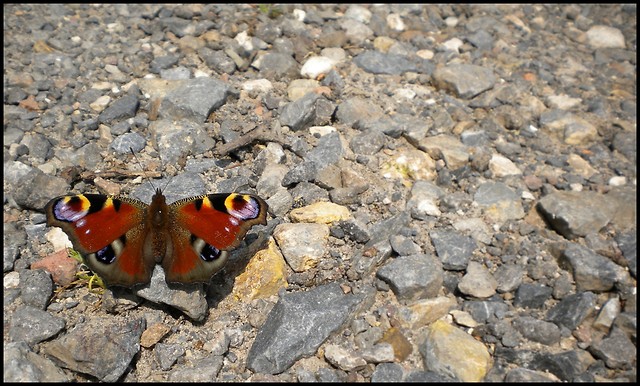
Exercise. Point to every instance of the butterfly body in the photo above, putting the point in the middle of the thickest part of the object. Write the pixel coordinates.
(122, 239)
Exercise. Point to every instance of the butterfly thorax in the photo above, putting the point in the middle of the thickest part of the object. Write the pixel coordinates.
(158, 234)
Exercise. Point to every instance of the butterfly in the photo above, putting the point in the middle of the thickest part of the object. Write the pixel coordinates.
(122, 239)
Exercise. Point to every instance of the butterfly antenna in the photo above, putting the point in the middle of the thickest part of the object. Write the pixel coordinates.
(141, 168)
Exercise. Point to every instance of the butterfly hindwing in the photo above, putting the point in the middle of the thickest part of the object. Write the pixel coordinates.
(204, 228)
(108, 231)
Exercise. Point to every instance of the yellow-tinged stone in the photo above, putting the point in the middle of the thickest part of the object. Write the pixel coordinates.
(410, 164)
(581, 166)
(401, 346)
(449, 350)
(320, 213)
(264, 275)
(427, 311)
(383, 43)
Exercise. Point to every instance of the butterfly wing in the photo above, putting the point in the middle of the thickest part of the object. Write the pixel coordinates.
(204, 228)
(108, 231)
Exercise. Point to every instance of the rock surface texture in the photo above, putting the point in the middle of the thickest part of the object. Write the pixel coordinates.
(451, 188)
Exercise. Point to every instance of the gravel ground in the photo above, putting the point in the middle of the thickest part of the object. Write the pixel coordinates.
(451, 189)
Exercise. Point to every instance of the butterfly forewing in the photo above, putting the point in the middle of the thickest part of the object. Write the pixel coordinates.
(105, 230)
(212, 225)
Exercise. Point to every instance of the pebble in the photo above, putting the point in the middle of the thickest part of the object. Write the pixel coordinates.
(443, 348)
(413, 277)
(602, 36)
(477, 282)
(316, 66)
(302, 244)
(465, 80)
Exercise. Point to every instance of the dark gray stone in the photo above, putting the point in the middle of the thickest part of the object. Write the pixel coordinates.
(530, 295)
(217, 60)
(123, 143)
(485, 310)
(120, 109)
(591, 271)
(453, 248)
(163, 62)
(628, 245)
(575, 214)
(32, 325)
(572, 310)
(276, 66)
(537, 330)
(194, 100)
(377, 62)
(14, 238)
(297, 325)
(387, 372)
(23, 365)
(300, 113)
(525, 375)
(355, 230)
(616, 350)
(118, 343)
(368, 142)
(167, 354)
(327, 152)
(203, 370)
(565, 365)
(36, 287)
(413, 277)
(303, 172)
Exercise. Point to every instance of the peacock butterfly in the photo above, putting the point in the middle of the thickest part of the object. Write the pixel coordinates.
(122, 239)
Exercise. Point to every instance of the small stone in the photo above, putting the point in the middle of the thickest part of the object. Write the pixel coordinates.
(464, 80)
(501, 166)
(320, 213)
(342, 358)
(602, 36)
(413, 277)
(264, 275)
(302, 245)
(617, 350)
(444, 347)
(478, 281)
(153, 334)
(316, 66)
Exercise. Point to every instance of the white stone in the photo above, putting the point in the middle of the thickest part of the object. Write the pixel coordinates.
(321, 130)
(299, 14)
(394, 21)
(244, 40)
(101, 103)
(452, 45)
(562, 101)
(618, 181)
(602, 36)
(316, 65)
(451, 21)
(502, 166)
(404, 94)
(259, 85)
(11, 280)
(425, 54)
